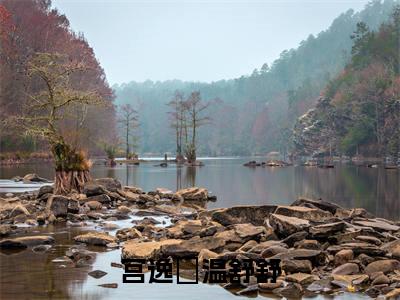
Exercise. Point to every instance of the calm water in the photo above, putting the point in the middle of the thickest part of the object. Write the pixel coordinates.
(29, 275)
(375, 189)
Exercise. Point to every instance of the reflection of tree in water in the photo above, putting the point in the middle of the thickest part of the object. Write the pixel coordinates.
(189, 179)
(375, 189)
(111, 172)
(190, 176)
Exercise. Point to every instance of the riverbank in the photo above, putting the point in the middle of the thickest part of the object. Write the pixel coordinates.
(323, 248)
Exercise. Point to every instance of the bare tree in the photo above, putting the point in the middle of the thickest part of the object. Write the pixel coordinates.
(195, 113)
(128, 118)
(52, 103)
(178, 122)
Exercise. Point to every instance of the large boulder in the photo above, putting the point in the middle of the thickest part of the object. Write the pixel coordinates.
(93, 189)
(110, 184)
(45, 189)
(193, 193)
(384, 265)
(95, 238)
(145, 250)
(58, 205)
(26, 241)
(284, 225)
(393, 248)
(301, 212)
(254, 214)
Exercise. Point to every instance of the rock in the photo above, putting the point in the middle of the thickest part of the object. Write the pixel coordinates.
(18, 210)
(358, 248)
(193, 193)
(26, 241)
(33, 178)
(145, 250)
(269, 286)
(124, 209)
(103, 199)
(259, 248)
(248, 231)
(292, 290)
(248, 245)
(251, 289)
(97, 274)
(272, 251)
(316, 256)
(301, 278)
(116, 265)
(253, 214)
(58, 205)
(6, 229)
(45, 189)
(145, 199)
(73, 206)
(393, 248)
(385, 266)
(284, 225)
(346, 269)
(394, 294)
(343, 256)
(184, 228)
(95, 238)
(295, 237)
(308, 244)
(322, 285)
(369, 239)
(327, 206)
(206, 254)
(41, 248)
(378, 225)
(326, 230)
(109, 285)
(381, 279)
(94, 205)
(92, 189)
(296, 266)
(301, 212)
(192, 247)
(110, 226)
(128, 234)
(110, 184)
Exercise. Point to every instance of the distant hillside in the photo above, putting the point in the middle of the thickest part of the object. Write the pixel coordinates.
(256, 113)
(359, 112)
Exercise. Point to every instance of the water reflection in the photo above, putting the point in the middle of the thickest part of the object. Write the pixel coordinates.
(376, 189)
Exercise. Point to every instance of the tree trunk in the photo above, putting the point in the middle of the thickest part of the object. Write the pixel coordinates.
(69, 181)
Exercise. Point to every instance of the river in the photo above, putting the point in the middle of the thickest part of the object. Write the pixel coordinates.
(29, 275)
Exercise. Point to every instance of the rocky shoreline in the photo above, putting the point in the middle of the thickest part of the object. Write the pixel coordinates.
(322, 248)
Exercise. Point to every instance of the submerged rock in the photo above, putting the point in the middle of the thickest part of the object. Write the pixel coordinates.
(26, 241)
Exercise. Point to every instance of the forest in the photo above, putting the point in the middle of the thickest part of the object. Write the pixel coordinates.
(253, 114)
(31, 27)
(359, 111)
(256, 113)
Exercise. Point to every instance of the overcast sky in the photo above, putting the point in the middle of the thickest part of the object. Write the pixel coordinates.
(195, 40)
